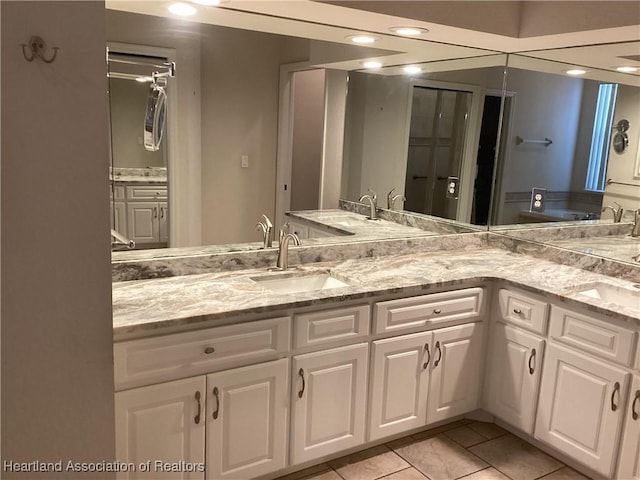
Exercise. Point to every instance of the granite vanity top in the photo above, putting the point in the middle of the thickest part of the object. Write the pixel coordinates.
(151, 307)
(136, 179)
(618, 247)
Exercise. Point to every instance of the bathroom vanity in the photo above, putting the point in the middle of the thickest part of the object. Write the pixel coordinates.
(269, 372)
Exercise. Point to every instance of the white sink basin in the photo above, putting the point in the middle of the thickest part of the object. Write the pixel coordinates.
(612, 294)
(299, 282)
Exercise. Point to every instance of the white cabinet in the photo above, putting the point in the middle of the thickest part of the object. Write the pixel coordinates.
(629, 466)
(399, 384)
(247, 421)
(455, 371)
(164, 423)
(581, 407)
(514, 365)
(328, 401)
(147, 221)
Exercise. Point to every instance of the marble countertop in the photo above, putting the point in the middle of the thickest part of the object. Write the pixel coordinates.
(150, 307)
(618, 247)
(139, 179)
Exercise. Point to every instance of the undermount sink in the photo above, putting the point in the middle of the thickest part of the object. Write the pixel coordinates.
(296, 282)
(613, 294)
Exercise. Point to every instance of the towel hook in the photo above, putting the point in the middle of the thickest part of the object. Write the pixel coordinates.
(38, 48)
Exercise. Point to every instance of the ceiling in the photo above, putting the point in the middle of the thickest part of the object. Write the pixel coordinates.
(456, 29)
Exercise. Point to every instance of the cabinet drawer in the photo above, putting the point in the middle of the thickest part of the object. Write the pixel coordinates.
(430, 309)
(118, 193)
(147, 192)
(151, 360)
(323, 327)
(524, 311)
(604, 339)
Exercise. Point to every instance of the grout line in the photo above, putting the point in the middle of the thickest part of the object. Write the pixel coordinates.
(473, 473)
(554, 471)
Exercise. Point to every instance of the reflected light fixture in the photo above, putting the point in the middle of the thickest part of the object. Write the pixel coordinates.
(362, 38)
(575, 71)
(412, 69)
(372, 64)
(409, 31)
(144, 79)
(627, 69)
(182, 9)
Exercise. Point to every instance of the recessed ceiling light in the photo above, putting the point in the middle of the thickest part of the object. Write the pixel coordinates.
(372, 64)
(409, 31)
(208, 3)
(182, 9)
(362, 38)
(412, 69)
(627, 69)
(575, 71)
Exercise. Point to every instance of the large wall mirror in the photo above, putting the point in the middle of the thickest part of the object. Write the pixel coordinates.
(561, 109)
(256, 115)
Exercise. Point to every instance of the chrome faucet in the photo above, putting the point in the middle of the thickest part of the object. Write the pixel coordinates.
(391, 198)
(267, 227)
(283, 250)
(373, 204)
(635, 231)
(617, 212)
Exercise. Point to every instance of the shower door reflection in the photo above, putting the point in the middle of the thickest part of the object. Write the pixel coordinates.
(436, 146)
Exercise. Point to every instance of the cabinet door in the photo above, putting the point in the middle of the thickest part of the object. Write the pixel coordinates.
(399, 384)
(163, 423)
(163, 222)
(629, 467)
(581, 407)
(120, 218)
(329, 401)
(513, 380)
(247, 421)
(142, 220)
(456, 371)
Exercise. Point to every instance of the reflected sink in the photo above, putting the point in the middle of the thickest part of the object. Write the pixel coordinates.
(297, 282)
(613, 294)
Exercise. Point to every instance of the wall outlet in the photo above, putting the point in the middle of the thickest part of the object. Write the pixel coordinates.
(538, 199)
(245, 161)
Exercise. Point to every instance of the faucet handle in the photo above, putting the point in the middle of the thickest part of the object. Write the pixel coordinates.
(374, 195)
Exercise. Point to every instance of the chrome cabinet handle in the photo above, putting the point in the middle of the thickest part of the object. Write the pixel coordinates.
(301, 392)
(216, 395)
(517, 311)
(161, 212)
(426, 364)
(634, 414)
(197, 417)
(532, 358)
(435, 364)
(616, 389)
(209, 350)
(437, 311)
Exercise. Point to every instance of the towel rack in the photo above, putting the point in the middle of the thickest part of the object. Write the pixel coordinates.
(546, 142)
(611, 182)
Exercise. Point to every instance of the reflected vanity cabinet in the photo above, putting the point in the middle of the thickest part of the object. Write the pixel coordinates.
(141, 212)
(255, 397)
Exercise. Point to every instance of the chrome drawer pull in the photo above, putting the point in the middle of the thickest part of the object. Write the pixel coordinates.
(435, 364)
(209, 350)
(517, 311)
(197, 417)
(616, 389)
(426, 364)
(532, 358)
(216, 395)
(634, 414)
(301, 392)
(437, 311)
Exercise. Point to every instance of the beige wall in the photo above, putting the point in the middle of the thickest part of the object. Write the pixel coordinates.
(56, 326)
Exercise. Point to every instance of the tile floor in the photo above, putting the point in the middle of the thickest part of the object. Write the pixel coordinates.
(466, 450)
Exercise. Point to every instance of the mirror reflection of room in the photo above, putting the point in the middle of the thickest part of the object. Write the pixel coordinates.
(137, 86)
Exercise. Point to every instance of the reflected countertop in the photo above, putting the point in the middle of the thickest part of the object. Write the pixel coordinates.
(151, 307)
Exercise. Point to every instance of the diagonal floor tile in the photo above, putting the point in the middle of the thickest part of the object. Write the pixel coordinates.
(486, 474)
(317, 472)
(487, 430)
(516, 458)
(432, 432)
(440, 458)
(407, 474)
(464, 436)
(369, 464)
(565, 473)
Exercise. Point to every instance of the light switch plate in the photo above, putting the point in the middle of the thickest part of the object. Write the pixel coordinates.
(245, 161)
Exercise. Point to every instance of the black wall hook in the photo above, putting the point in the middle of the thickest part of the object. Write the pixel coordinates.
(38, 48)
